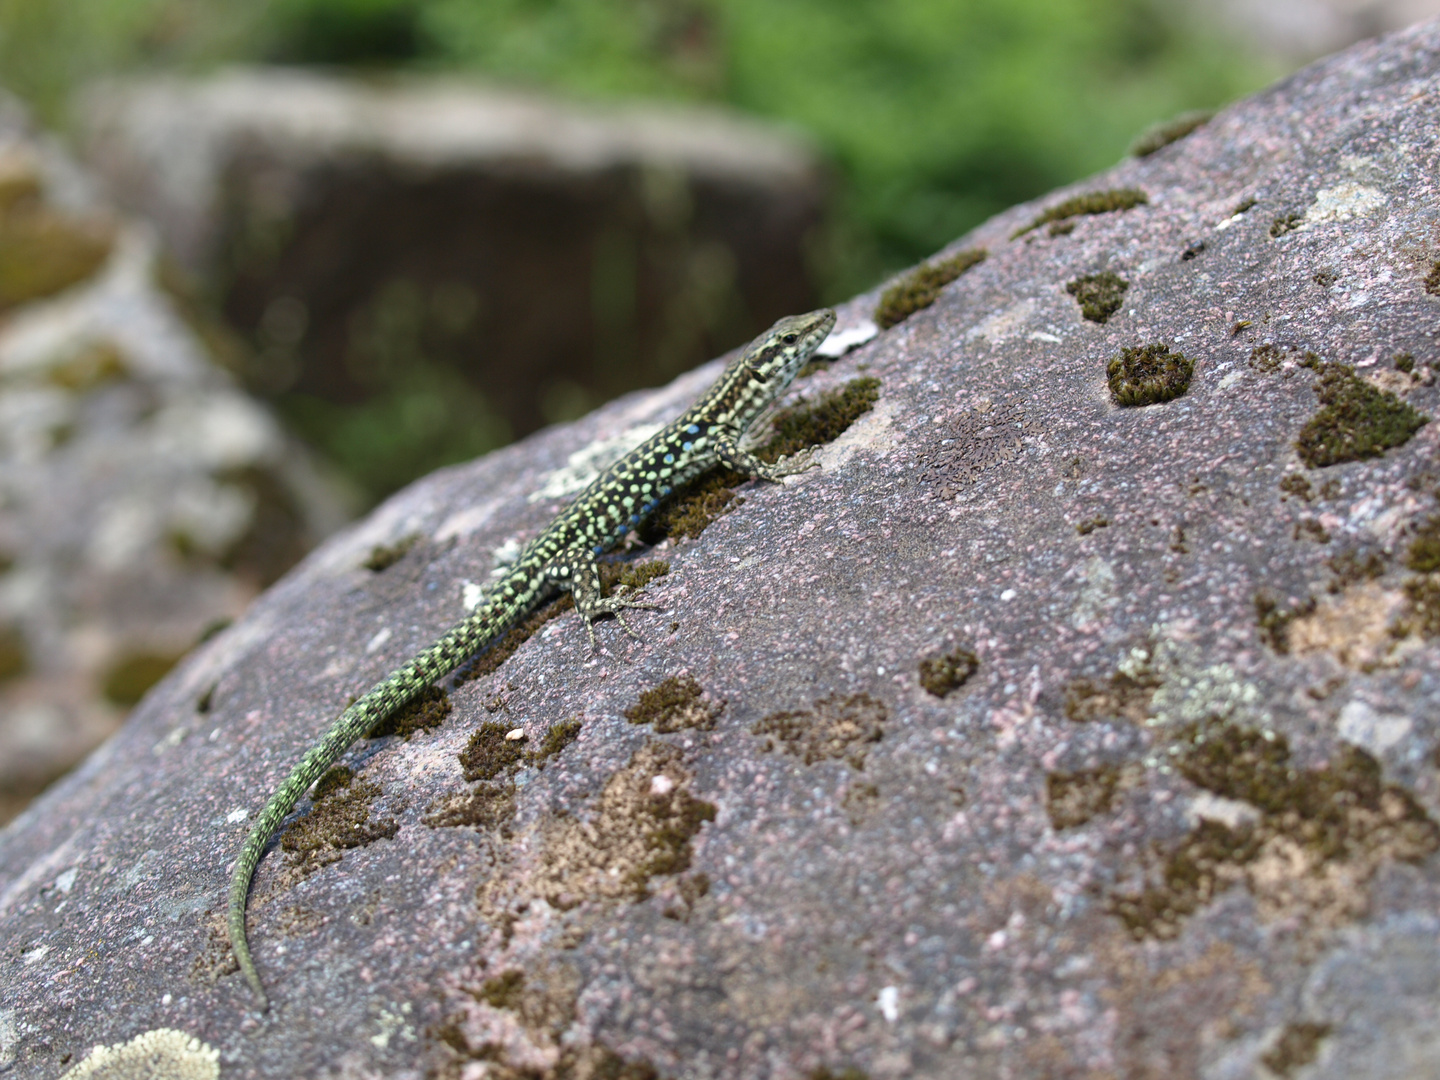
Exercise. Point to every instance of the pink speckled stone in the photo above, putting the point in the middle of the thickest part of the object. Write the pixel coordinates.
(922, 917)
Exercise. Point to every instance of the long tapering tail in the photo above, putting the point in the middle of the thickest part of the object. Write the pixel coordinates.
(354, 723)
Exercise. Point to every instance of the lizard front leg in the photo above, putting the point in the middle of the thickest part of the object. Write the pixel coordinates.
(729, 454)
(578, 573)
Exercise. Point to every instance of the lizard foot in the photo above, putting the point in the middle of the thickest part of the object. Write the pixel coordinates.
(615, 605)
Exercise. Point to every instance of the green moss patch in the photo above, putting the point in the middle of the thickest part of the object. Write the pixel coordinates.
(821, 421)
(836, 728)
(1099, 295)
(943, 675)
(15, 655)
(1432, 280)
(1423, 617)
(427, 709)
(677, 704)
(1267, 358)
(489, 752)
(1121, 697)
(557, 737)
(1148, 375)
(1161, 135)
(796, 428)
(383, 556)
(486, 806)
(1318, 837)
(1356, 420)
(642, 827)
(43, 251)
(1298, 1045)
(1286, 223)
(1423, 553)
(1073, 798)
(921, 287)
(339, 818)
(1274, 618)
(1298, 485)
(1085, 528)
(1353, 566)
(503, 991)
(92, 365)
(695, 507)
(1095, 202)
(129, 678)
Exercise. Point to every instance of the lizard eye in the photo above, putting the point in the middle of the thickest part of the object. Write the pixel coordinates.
(790, 338)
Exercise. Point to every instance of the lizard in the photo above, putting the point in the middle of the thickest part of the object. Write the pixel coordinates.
(563, 558)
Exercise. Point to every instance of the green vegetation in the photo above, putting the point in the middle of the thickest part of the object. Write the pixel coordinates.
(1299, 1044)
(1072, 799)
(1169, 131)
(426, 710)
(677, 704)
(1336, 825)
(1099, 295)
(126, 680)
(1287, 223)
(935, 115)
(943, 675)
(921, 287)
(1148, 376)
(1093, 202)
(1356, 419)
(939, 113)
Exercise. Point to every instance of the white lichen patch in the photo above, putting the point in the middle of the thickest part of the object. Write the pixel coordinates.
(1003, 324)
(1097, 592)
(1343, 202)
(586, 464)
(841, 341)
(1360, 725)
(161, 1054)
(1190, 694)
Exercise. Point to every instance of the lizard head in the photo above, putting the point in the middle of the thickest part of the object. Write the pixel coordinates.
(779, 353)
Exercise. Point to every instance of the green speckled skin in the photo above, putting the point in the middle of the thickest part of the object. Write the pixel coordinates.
(563, 557)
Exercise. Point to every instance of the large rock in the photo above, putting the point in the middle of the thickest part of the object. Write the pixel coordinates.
(1034, 735)
(369, 236)
(143, 496)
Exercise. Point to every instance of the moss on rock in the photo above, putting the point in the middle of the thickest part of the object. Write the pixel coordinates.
(1095, 202)
(1356, 420)
(1099, 295)
(921, 287)
(1148, 375)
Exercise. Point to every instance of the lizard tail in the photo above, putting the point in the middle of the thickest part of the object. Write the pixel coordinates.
(355, 722)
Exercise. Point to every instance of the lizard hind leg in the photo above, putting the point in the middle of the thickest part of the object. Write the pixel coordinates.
(579, 574)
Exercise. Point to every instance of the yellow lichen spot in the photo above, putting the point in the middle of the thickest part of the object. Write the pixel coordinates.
(1354, 627)
(161, 1054)
(43, 250)
(91, 365)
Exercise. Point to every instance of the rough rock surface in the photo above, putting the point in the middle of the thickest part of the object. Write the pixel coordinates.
(549, 252)
(1032, 736)
(143, 496)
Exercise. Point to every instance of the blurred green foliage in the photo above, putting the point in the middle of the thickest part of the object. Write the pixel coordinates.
(937, 113)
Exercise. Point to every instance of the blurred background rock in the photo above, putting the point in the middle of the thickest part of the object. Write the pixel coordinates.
(144, 497)
(404, 232)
